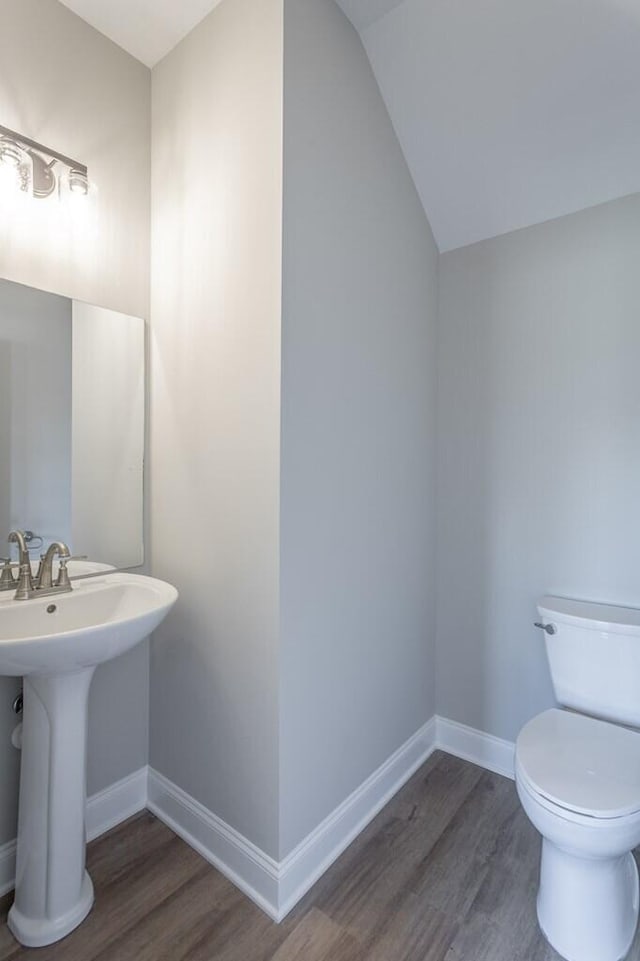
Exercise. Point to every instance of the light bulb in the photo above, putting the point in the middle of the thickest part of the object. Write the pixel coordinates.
(10, 153)
(78, 182)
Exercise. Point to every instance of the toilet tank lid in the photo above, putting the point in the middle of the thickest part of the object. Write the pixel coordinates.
(581, 763)
(590, 616)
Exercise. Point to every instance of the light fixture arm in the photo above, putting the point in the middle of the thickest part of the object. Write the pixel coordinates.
(29, 144)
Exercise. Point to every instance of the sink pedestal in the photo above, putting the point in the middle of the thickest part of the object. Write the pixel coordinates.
(55, 647)
(54, 893)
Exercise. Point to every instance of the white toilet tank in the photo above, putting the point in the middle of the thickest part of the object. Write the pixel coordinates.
(594, 657)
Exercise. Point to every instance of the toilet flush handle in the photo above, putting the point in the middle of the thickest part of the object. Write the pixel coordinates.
(549, 628)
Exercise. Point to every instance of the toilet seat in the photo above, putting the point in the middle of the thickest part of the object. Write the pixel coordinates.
(585, 767)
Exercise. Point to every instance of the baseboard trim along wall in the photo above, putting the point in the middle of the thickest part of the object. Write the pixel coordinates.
(310, 859)
(276, 887)
(116, 803)
(105, 810)
(249, 868)
(482, 749)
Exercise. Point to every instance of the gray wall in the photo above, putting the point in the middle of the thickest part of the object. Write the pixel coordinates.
(35, 333)
(358, 428)
(35, 392)
(539, 450)
(68, 86)
(215, 402)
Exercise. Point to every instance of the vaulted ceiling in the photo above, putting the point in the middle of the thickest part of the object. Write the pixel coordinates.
(509, 112)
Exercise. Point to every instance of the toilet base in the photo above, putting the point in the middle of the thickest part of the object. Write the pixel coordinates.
(587, 908)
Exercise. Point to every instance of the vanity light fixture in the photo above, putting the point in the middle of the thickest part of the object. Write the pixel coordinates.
(78, 182)
(39, 170)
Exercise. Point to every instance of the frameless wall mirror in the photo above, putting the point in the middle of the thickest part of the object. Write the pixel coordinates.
(72, 389)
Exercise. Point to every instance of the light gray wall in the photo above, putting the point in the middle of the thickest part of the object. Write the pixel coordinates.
(215, 401)
(66, 85)
(35, 331)
(539, 450)
(35, 393)
(358, 428)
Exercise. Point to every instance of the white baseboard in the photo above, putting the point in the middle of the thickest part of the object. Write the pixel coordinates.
(116, 803)
(104, 810)
(277, 886)
(467, 743)
(310, 859)
(249, 868)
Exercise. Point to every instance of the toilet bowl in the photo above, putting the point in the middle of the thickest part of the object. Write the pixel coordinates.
(578, 780)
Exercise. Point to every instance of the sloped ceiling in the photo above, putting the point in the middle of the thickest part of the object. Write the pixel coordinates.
(509, 112)
(363, 13)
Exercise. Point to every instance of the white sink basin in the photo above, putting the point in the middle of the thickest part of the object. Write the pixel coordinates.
(55, 643)
(98, 620)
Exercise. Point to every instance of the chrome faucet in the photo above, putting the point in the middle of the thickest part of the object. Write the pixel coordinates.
(45, 572)
(25, 577)
(44, 584)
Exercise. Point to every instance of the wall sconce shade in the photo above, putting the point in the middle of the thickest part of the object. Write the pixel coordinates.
(10, 152)
(78, 181)
(39, 169)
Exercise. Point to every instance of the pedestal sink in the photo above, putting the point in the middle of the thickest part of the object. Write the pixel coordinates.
(56, 643)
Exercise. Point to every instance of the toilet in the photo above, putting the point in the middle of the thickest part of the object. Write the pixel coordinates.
(578, 779)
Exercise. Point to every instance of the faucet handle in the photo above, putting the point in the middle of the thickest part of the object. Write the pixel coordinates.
(62, 579)
(7, 580)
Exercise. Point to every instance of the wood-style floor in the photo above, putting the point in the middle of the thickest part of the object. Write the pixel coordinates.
(446, 872)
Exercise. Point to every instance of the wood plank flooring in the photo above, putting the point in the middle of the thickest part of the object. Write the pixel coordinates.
(446, 872)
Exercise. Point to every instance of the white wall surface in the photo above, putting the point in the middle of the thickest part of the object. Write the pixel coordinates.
(66, 85)
(539, 450)
(358, 428)
(108, 435)
(215, 409)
